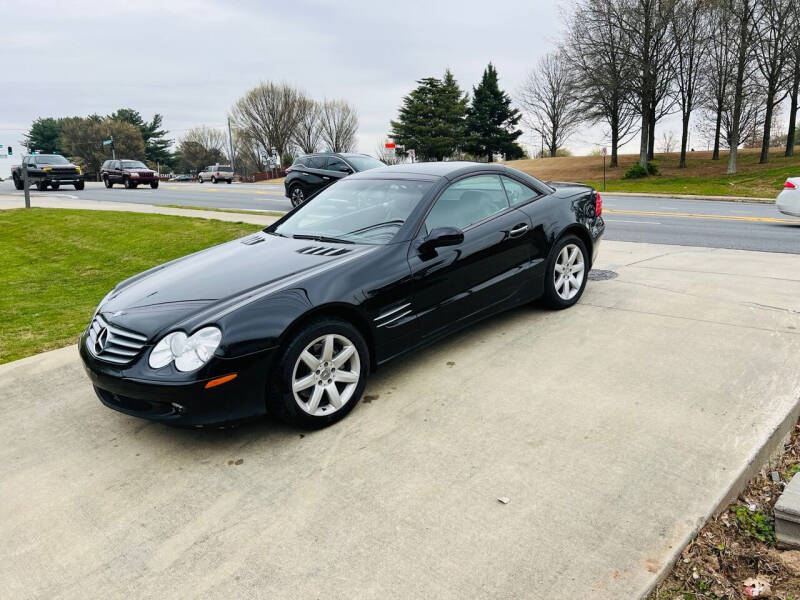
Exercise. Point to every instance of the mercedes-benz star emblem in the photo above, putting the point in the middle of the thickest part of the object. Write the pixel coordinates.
(100, 342)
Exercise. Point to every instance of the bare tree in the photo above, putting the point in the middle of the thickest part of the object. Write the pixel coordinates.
(548, 101)
(719, 69)
(338, 125)
(596, 52)
(794, 88)
(744, 16)
(690, 28)
(774, 33)
(249, 154)
(269, 113)
(668, 142)
(202, 146)
(308, 134)
(649, 49)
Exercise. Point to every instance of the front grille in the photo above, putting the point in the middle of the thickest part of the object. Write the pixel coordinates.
(63, 171)
(113, 344)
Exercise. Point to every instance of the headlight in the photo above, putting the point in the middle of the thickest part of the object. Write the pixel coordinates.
(189, 353)
(79, 170)
(47, 168)
(134, 174)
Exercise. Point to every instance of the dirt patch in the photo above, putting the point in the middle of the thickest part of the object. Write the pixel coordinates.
(739, 544)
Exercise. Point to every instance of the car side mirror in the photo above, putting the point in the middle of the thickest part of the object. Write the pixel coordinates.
(441, 236)
(347, 170)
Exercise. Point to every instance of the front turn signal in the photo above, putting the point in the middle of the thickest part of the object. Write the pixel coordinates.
(220, 380)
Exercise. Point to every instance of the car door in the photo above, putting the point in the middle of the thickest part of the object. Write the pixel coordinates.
(314, 175)
(336, 169)
(488, 270)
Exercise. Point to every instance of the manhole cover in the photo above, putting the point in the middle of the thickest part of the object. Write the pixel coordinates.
(601, 275)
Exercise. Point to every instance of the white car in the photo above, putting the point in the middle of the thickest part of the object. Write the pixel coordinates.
(789, 199)
(216, 173)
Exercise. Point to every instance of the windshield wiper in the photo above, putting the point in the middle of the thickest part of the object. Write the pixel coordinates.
(322, 238)
(376, 225)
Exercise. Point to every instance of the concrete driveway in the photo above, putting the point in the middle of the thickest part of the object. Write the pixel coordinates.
(615, 428)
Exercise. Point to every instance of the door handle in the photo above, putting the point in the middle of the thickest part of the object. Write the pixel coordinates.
(518, 230)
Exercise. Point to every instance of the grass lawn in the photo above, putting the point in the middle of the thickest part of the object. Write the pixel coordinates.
(58, 264)
(703, 176)
(267, 213)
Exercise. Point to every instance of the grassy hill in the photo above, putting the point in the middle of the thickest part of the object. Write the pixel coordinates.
(702, 176)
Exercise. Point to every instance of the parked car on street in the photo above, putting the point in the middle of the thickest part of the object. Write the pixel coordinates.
(130, 173)
(788, 201)
(48, 170)
(179, 178)
(314, 172)
(292, 319)
(216, 173)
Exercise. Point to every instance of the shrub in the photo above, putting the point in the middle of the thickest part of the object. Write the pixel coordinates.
(637, 171)
(652, 169)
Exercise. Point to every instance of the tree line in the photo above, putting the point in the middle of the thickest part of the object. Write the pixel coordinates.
(627, 64)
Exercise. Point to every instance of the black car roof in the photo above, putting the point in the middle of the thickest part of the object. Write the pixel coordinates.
(449, 169)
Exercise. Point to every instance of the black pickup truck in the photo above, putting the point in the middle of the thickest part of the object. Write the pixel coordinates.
(48, 170)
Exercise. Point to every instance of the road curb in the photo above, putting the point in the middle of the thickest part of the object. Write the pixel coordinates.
(772, 446)
(691, 197)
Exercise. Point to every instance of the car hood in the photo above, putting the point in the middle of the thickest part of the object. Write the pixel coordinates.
(223, 276)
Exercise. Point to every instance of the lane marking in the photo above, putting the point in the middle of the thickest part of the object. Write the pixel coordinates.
(637, 222)
(651, 213)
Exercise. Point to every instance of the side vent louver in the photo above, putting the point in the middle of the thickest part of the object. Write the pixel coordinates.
(256, 239)
(323, 251)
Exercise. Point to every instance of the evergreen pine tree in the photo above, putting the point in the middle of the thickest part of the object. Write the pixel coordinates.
(491, 121)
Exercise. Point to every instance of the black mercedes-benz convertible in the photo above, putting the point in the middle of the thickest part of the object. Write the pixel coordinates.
(291, 320)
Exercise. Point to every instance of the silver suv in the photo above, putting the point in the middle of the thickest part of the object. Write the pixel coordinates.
(216, 173)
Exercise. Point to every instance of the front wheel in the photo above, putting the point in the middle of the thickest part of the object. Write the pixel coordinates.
(126, 183)
(18, 183)
(321, 374)
(55, 186)
(567, 269)
(79, 185)
(41, 186)
(154, 185)
(230, 180)
(107, 182)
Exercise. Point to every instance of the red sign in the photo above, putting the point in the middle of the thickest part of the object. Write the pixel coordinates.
(391, 145)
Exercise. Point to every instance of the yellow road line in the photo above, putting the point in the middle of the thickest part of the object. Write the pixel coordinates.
(652, 213)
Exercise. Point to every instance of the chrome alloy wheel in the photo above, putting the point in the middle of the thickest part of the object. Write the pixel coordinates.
(569, 272)
(297, 196)
(326, 375)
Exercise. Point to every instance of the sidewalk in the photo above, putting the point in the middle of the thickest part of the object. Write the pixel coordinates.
(11, 202)
(691, 197)
(615, 428)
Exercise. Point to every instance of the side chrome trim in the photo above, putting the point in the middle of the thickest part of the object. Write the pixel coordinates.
(397, 318)
(392, 311)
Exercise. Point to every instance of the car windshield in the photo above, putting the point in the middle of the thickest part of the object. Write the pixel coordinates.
(364, 163)
(133, 164)
(52, 159)
(364, 211)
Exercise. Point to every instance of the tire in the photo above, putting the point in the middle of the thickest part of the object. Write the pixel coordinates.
(41, 186)
(557, 295)
(295, 407)
(79, 185)
(18, 183)
(213, 179)
(126, 183)
(154, 185)
(199, 180)
(134, 185)
(107, 182)
(230, 181)
(297, 194)
(55, 186)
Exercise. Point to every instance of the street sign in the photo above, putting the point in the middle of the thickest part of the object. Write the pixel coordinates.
(605, 151)
(107, 142)
(412, 154)
(391, 146)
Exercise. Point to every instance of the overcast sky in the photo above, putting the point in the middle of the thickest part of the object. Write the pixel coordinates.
(191, 60)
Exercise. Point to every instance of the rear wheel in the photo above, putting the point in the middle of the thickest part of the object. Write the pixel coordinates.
(297, 194)
(79, 185)
(230, 180)
(55, 186)
(567, 270)
(41, 186)
(154, 185)
(321, 374)
(199, 179)
(213, 179)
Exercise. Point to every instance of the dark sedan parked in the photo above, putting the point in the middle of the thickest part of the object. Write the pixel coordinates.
(314, 172)
(292, 319)
(130, 173)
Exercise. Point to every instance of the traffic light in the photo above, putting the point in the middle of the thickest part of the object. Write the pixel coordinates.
(10, 151)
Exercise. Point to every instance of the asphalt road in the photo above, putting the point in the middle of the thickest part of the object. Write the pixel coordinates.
(735, 225)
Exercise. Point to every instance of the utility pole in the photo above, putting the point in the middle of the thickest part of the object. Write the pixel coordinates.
(26, 184)
(230, 142)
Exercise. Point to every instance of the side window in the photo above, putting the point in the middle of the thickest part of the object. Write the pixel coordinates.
(316, 162)
(336, 164)
(468, 201)
(517, 192)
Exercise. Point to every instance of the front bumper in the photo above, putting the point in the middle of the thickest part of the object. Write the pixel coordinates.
(183, 400)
